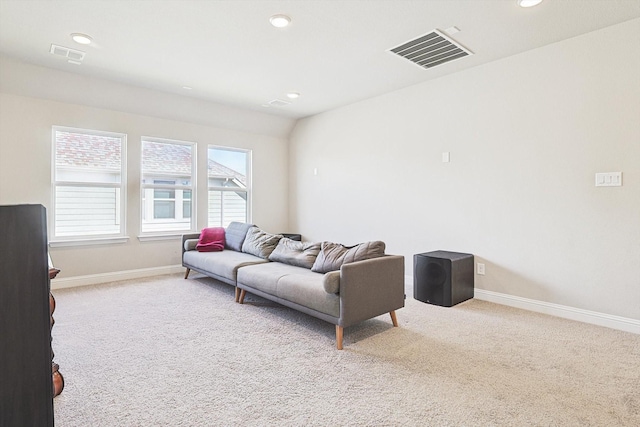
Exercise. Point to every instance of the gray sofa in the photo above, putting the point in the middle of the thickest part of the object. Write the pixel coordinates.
(343, 286)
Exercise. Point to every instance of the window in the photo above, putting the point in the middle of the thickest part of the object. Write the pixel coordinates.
(89, 184)
(229, 173)
(167, 186)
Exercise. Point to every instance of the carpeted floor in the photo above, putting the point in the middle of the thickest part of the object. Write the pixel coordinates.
(173, 352)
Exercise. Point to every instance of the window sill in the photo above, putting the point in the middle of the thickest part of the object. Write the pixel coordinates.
(154, 237)
(88, 241)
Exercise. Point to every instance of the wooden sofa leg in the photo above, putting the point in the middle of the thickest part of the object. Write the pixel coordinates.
(394, 319)
(242, 295)
(237, 294)
(339, 331)
(186, 274)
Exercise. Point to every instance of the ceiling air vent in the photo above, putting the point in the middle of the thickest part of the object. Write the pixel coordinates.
(278, 103)
(431, 49)
(72, 54)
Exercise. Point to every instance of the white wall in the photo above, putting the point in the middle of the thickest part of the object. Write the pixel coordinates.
(526, 136)
(25, 161)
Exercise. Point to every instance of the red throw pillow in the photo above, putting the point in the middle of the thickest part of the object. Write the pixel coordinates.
(211, 240)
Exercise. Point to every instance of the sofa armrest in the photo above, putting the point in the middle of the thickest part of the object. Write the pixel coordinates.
(186, 237)
(371, 288)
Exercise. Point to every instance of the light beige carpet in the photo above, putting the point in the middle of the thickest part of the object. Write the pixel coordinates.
(174, 352)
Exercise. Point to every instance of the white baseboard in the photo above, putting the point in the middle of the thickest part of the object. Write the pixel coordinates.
(566, 312)
(94, 279)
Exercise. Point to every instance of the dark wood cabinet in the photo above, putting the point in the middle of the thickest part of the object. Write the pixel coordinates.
(56, 375)
(26, 391)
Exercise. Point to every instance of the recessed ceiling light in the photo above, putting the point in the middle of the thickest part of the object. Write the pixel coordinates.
(293, 95)
(280, 21)
(187, 87)
(529, 3)
(81, 38)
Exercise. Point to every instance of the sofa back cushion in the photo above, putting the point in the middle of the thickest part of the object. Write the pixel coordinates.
(235, 235)
(260, 243)
(333, 255)
(300, 254)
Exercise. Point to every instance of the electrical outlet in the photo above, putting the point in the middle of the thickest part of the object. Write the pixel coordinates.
(480, 269)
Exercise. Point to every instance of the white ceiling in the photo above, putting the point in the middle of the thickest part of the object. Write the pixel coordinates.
(334, 53)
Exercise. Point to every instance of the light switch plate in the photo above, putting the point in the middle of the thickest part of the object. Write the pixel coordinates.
(608, 179)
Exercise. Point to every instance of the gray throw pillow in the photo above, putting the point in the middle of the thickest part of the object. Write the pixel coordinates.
(333, 255)
(295, 253)
(331, 282)
(234, 235)
(260, 243)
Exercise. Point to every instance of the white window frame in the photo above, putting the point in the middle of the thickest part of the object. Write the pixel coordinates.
(148, 189)
(248, 188)
(178, 200)
(89, 239)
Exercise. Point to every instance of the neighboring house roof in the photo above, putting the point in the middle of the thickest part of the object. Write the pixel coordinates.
(80, 151)
(218, 170)
(100, 152)
(166, 159)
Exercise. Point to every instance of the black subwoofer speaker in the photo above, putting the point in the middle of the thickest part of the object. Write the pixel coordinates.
(443, 278)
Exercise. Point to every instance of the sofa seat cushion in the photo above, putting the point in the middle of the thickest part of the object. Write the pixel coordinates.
(296, 284)
(224, 264)
(264, 277)
(307, 289)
